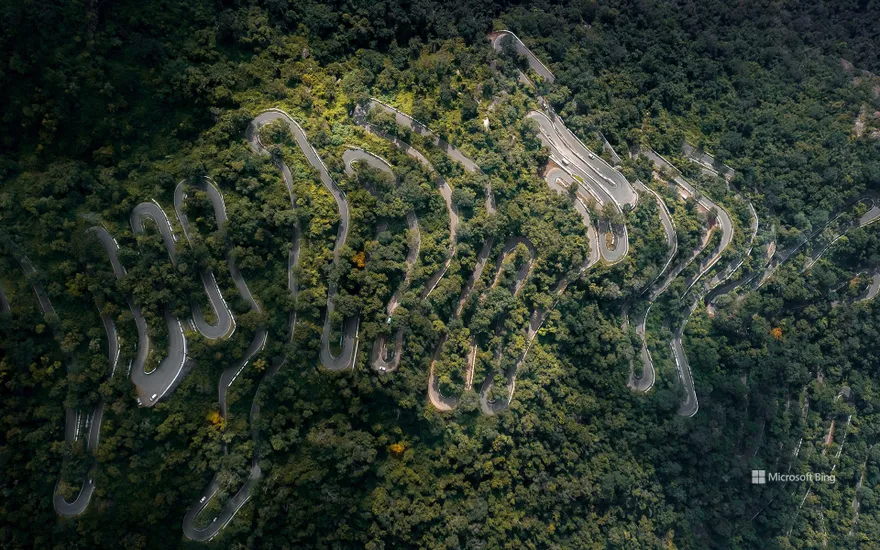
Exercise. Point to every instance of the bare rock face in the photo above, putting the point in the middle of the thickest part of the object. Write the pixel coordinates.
(859, 125)
(305, 53)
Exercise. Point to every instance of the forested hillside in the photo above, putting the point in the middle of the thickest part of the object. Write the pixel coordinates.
(375, 275)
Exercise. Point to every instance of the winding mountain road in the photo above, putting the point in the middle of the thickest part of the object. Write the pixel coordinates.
(586, 164)
(690, 406)
(79, 504)
(646, 380)
(243, 495)
(406, 121)
(152, 386)
(348, 355)
(722, 217)
(143, 348)
(229, 375)
(535, 64)
(560, 181)
(258, 342)
(449, 403)
(668, 229)
(874, 288)
(594, 175)
(869, 217)
(444, 403)
(381, 360)
(491, 407)
(42, 297)
(225, 321)
(442, 186)
(75, 420)
(577, 166)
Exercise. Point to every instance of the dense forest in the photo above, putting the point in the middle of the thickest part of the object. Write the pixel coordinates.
(110, 107)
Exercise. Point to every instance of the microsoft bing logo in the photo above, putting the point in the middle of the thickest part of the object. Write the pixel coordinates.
(761, 477)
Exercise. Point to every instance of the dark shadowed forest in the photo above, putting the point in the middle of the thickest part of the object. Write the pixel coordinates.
(111, 105)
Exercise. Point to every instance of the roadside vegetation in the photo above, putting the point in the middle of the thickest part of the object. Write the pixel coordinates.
(108, 105)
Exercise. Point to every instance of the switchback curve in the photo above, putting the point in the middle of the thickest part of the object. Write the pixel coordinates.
(380, 356)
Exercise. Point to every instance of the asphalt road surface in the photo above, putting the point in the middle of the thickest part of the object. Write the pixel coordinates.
(346, 358)
(443, 187)
(74, 424)
(559, 180)
(647, 379)
(380, 358)
(723, 220)
(535, 64)
(42, 297)
(229, 375)
(152, 386)
(600, 180)
(668, 229)
(441, 402)
(707, 162)
(75, 421)
(448, 403)
(407, 121)
(872, 198)
(690, 406)
(583, 162)
(867, 218)
(225, 322)
(143, 346)
(874, 288)
(490, 407)
(604, 185)
(219, 208)
(202, 534)
(72, 416)
(253, 140)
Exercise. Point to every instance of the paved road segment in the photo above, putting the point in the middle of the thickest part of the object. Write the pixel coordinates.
(498, 37)
(442, 186)
(383, 361)
(347, 356)
(224, 324)
(152, 386)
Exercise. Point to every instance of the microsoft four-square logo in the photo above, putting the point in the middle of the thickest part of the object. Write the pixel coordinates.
(759, 477)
